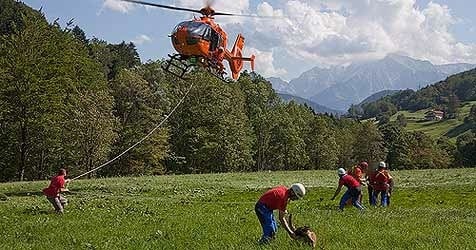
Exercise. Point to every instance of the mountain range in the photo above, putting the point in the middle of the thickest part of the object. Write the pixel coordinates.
(338, 87)
(316, 107)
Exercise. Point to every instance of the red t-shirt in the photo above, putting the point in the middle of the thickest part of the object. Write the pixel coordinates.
(56, 184)
(276, 198)
(380, 181)
(356, 172)
(349, 181)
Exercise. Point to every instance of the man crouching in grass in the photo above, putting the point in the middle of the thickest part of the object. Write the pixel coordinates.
(53, 191)
(276, 198)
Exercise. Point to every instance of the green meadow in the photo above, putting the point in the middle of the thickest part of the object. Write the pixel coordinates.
(451, 128)
(431, 209)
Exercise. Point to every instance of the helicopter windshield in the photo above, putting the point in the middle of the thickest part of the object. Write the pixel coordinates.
(195, 29)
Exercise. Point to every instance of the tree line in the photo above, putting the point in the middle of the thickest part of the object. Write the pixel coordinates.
(73, 102)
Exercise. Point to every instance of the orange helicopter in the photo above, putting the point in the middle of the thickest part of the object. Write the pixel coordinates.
(202, 42)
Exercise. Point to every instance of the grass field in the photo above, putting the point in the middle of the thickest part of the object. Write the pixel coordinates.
(451, 128)
(431, 209)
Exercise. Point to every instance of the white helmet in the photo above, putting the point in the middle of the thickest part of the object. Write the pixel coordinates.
(298, 189)
(381, 164)
(341, 171)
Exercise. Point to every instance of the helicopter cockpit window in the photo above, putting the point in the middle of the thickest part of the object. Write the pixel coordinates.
(195, 30)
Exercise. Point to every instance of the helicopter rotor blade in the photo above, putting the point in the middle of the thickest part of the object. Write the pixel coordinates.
(195, 11)
(244, 15)
(161, 6)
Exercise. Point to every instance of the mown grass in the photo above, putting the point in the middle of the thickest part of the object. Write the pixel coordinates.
(431, 209)
(451, 128)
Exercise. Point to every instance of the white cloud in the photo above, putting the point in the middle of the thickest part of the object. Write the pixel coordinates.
(328, 32)
(339, 31)
(141, 39)
(117, 5)
(264, 63)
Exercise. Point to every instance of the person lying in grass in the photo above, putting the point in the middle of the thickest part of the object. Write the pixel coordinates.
(276, 199)
(53, 191)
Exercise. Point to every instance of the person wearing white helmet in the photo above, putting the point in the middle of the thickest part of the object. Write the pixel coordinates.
(353, 190)
(276, 199)
(380, 183)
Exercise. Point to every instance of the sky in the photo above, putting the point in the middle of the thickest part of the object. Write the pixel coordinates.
(305, 34)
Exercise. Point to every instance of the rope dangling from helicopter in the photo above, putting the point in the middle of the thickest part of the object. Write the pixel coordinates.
(141, 140)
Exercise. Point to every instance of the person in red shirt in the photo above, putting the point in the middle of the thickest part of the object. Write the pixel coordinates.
(53, 191)
(276, 199)
(353, 190)
(380, 184)
(391, 184)
(358, 173)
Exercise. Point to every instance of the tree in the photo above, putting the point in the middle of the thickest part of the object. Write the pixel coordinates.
(79, 34)
(44, 74)
(137, 114)
(355, 111)
(453, 105)
(12, 14)
(396, 142)
(345, 135)
(383, 118)
(261, 106)
(471, 118)
(466, 145)
(402, 120)
(287, 143)
(423, 153)
(124, 56)
(210, 131)
(369, 144)
(321, 145)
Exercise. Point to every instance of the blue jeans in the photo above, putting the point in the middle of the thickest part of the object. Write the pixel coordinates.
(351, 193)
(383, 197)
(267, 221)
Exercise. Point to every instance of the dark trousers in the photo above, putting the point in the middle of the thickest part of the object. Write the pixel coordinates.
(354, 195)
(371, 194)
(383, 198)
(58, 202)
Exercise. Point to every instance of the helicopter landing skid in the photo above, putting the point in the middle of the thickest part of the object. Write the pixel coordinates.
(178, 66)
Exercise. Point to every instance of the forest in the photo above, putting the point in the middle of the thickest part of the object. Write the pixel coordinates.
(69, 101)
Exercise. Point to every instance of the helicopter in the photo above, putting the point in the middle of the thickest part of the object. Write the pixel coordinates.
(202, 42)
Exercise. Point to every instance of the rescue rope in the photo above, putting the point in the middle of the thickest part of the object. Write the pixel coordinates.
(141, 140)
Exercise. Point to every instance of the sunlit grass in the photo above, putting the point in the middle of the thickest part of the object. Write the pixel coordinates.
(448, 127)
(431, 209)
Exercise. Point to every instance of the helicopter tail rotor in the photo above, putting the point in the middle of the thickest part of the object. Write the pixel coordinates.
(235, 57)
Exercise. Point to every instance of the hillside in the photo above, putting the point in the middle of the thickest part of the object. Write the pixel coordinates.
(316, 107)
(338, 87)
(451, 128)
(377, 96)
(392, 72)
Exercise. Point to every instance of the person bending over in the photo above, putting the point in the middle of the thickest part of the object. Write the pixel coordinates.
(276, 199)
(353, 190)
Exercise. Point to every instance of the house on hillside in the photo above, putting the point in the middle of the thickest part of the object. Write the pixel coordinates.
(434, 115)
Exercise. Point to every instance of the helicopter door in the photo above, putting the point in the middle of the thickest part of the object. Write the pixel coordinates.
(214, 40)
